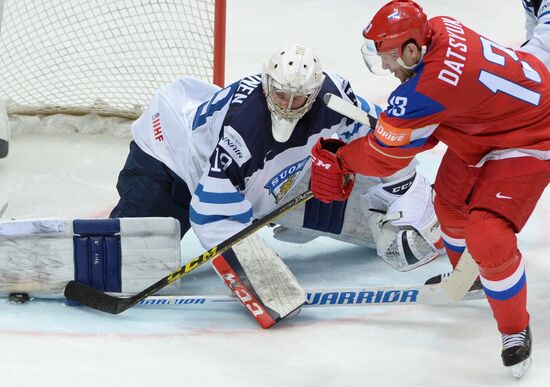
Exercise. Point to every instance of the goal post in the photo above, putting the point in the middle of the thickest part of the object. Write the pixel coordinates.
(104, 57)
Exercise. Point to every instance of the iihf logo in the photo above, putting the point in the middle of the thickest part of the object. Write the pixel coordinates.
(157, 129)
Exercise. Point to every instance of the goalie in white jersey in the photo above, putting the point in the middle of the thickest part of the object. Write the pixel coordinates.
(537, 27)
(216, 159)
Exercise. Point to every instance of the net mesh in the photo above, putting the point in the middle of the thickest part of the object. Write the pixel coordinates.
(100, 56)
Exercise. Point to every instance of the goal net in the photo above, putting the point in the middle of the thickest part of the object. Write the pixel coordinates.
(104, 57)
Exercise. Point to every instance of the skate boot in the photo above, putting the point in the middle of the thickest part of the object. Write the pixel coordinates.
(474, 293)
(516, 351)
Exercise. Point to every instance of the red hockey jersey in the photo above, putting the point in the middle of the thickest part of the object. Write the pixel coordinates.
(483, 100)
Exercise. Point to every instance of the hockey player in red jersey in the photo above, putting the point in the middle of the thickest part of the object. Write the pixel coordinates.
(491, 106)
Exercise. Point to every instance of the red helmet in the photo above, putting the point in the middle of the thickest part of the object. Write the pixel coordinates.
(397, 22)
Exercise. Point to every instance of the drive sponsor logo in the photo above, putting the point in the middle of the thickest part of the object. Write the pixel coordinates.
(367, 297)
(157, 129)
(390, 135)
(235, 146)
(283, 181)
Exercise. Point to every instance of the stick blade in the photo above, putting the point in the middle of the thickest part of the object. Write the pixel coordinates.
(95, 299)
(3, 209)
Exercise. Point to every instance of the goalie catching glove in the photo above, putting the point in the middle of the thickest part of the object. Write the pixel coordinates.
(260, 279)
(365, 219)
(404, 226)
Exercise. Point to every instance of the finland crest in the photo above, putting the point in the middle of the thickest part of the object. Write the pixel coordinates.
(283, 181)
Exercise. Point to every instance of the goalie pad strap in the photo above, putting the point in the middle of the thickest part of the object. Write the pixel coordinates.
(326, 217)
(97, 253)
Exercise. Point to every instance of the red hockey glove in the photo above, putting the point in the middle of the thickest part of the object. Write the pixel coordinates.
(328, 181)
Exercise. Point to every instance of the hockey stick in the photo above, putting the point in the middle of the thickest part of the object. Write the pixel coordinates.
(365, 296)
(99, 300)
(347, 109)
(452, 290)
(3, 209)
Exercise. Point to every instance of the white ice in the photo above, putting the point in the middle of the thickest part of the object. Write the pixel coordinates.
(74, 175)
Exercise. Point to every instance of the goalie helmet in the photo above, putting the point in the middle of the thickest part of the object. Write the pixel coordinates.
(291, 79)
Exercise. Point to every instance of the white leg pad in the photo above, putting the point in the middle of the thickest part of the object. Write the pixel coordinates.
(355, 228)
(38, 256)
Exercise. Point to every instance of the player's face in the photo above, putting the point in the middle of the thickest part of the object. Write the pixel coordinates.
(390, 63)
(288, 101)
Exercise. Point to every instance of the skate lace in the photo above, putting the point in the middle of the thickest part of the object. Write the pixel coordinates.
(513, 340)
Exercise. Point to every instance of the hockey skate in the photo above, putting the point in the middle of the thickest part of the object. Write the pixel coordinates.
(474, 293)
(516, 352)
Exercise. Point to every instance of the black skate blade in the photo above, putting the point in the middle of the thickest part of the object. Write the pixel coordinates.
(473, 295)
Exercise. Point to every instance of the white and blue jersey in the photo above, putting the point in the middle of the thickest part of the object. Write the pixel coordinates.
(537, 29)
(220, 142)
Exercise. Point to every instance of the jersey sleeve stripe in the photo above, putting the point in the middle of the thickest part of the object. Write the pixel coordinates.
(217, 197)
(376, 147)
(202, 219)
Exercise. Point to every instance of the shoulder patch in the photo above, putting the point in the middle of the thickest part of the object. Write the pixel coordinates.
(235, 146)
(390, 135)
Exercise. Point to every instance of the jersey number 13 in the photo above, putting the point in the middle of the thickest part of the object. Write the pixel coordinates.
(496, 83)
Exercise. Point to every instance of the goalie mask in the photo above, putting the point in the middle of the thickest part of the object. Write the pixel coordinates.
(291, 80)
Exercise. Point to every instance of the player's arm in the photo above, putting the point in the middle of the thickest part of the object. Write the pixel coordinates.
(530, 18)
(387, 149)
(382, 152)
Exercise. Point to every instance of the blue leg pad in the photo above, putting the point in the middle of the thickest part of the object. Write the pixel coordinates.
(97, 253)
(325, 217)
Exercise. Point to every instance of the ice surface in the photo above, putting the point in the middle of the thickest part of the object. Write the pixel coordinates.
(73, 175)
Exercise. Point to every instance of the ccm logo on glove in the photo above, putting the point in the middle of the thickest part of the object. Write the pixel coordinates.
(328, 181)
(320, 163)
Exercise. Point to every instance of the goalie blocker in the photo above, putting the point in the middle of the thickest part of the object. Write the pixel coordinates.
(262, 282)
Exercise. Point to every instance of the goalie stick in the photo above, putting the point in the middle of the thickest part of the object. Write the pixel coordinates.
(96, 299)
(452, 290)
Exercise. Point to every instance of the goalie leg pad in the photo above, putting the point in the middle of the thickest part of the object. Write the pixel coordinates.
(343, 221)
(327, 217)
(97, 254)
(4, 130)
(259, 278)
(40, 256)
